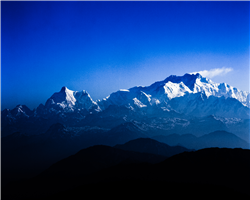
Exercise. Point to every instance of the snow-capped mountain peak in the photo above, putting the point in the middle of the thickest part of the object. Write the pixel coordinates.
(63, 99)
(70, 100)
(189, 89)
(21, 111)
(161, 91)
(175, 89)
(188, 79)
(197, 83)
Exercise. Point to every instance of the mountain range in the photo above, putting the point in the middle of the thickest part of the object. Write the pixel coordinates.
(190, 87)
(174, 104)
(179, 113)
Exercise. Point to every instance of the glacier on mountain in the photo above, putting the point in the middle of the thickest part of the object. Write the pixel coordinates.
(189, 94)
(69, 100)
(178, 104)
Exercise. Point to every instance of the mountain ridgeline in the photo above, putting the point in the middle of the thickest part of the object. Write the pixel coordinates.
(179, 114)
(177, 104)
(213, 171)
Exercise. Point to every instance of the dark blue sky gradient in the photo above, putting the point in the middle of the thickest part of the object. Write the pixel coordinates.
(105, 46)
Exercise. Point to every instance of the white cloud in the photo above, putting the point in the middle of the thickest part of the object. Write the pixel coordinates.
(214, 72)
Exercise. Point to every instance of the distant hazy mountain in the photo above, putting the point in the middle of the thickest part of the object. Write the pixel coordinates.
(214, 139)
(190, 86)
(147, 145)
(97, 157)
(68, 100)
(178, 104)
(123, 133)
(180, 110)
(159, 93)
(181, 90)
(188, 95)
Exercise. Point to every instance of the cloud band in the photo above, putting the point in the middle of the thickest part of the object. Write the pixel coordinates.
(214, 72)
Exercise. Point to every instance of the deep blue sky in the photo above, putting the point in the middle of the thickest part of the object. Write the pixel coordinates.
(105, 46)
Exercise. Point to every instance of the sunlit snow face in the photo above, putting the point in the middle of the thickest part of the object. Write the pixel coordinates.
(71, 100)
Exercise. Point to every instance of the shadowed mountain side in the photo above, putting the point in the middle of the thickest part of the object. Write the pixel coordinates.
(219, 166)
(186, 140)
(215, 139)
(97, 157)
(214, 166)
(123, 133)
(214, 171)
(223, 139)
(148, 145)
(26, 156)
(72, 171)
(148, 189)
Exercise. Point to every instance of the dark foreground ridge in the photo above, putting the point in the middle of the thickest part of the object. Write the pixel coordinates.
(148, 145)
(103, 170)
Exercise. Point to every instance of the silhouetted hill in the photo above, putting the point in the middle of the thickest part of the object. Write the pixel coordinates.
(148, 145)
(143, 189)
(76, 170)
(98, 157)
(214, 171)
(123, 133)
(185, 140)
(222, 139)
(25, 156)
(215, 139)
(219, 166)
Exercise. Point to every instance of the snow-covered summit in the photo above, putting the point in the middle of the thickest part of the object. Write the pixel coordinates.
(21, 111)
(187, 94)
(161, 92)
(188, 79)
(70, 100)
(196, 83)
